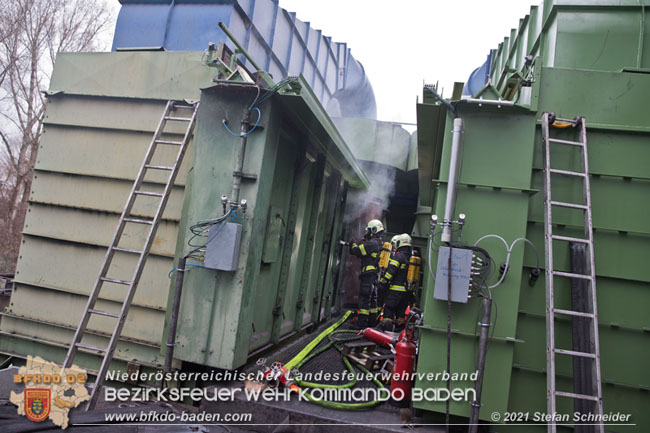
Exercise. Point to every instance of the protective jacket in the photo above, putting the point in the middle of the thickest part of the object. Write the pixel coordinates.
(397, 298)
(397, 270)
(368, 251)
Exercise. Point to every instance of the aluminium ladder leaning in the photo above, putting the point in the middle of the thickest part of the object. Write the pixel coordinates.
(589, 278)
(169, 115)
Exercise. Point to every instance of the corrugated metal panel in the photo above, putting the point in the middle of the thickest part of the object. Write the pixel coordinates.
(100, 118)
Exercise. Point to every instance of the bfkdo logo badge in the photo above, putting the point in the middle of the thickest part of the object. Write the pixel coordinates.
(37, 404)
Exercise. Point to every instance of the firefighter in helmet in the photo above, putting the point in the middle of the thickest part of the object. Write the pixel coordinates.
(368, 252)
(382, 289)
(395, 278)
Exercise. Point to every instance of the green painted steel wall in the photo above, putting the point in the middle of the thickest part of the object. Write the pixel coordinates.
(588, 58)
(101, 114)
(494, 179)
(618, 137)
(285, 277)
(602, 35)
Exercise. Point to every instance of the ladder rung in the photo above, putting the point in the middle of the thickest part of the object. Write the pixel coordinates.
(578, 396)
(159, 167)
(570, 239)
(126, 250)
(574, 353)
(573, 313)
(153, 194)
(178, 119)
(113, 280)
(571, 275)
(137, 221)
(567, 173)
(572, 143)
(572, 121)
(569, 205)
(173, 143)
(88, 347)
(186, 107)
(103, 313)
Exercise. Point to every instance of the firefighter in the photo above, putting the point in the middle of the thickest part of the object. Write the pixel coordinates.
(368, 251)
(382, 289)
(395, 278)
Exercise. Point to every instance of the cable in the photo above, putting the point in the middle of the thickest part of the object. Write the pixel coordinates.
(250, 107)
(433, 277)
(273, 90)
(508, 254)
(259, 116)
(186, 265)
(529, 243)
(202, 229)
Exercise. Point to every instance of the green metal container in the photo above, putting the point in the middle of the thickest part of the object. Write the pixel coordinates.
(588, 60)
(290, 242)
(101, 114)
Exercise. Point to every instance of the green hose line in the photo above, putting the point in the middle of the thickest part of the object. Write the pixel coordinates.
(318, 352)
(306, 356)
(308, 348)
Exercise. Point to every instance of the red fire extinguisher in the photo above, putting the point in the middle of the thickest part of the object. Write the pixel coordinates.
(405, 351)
(400, 388)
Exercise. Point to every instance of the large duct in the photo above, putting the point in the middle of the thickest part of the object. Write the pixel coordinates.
(279, 42)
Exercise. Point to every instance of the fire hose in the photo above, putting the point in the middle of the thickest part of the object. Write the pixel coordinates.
(281, 373)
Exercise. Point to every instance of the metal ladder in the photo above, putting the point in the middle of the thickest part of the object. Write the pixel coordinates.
(589, 278)
(169, 115)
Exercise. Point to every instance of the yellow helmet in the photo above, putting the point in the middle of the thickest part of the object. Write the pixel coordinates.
(403, 240)
(374, 227)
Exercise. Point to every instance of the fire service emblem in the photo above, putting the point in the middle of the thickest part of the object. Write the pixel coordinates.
(37, 404)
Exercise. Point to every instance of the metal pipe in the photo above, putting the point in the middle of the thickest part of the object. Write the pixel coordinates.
(480, 364)
(239, 46)
(449, 282)
(239, 164)
(498, 102)
(450, 202)
(248, 57)
(173, 317)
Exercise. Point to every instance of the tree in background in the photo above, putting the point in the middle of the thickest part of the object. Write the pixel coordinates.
(32, 32)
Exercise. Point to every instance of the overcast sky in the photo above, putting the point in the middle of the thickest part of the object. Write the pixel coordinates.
(404, 43)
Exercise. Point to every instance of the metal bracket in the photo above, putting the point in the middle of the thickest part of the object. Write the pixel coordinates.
(249, 176)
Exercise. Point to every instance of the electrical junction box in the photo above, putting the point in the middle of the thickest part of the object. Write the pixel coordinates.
(461, 268)
(222, 250)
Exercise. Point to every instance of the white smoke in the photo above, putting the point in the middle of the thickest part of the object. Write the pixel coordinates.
(380, 148)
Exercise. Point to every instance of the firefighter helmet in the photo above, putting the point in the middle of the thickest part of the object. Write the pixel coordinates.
(374, 227)
(404, 240)
(394, 240)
